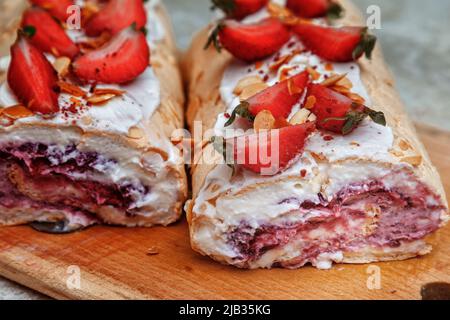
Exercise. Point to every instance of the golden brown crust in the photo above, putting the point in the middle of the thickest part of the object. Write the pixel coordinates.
(203, 70)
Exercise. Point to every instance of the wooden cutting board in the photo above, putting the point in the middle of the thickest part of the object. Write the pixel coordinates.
(113, 263)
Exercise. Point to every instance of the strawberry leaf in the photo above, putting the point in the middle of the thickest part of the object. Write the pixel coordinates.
(242, 111)
(377, 117)
(220, 145)
(227, 6)
(335, 11)
(28, 31)
(365, 45)
(213, 38)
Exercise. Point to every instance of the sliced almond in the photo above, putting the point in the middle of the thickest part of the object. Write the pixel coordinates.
(152, 251)
(315, 75)
(102, 91)
(345, 82)
(312, 117)
(281, 61)
(71, 89)
(310, 102)
(404, 145)
(245, 82)
(356, 98)
(284, 73)
(300, 117)
(135, 133)
(264, 121)
(414, 160)
(396, 153)
(86, 120)
(293, 88)
(333, 79)
(17, 112)
(100, 99)
(252, 89)
(318, 157)
(329, 66)
(62, 65)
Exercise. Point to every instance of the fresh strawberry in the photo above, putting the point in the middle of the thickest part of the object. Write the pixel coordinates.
(121, 60)
(337, 113)
(336, 44)
(239, 9)
(278, 99)
(315, 8)
(57, 8)
(116, 16)
(48, 36)
(32, 78)
(250, 42)
(272, 151)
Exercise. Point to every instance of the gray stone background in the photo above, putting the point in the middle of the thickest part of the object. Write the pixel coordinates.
(416, 45)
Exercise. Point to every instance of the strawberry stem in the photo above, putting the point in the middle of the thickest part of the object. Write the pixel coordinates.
(335, 11)
(28, 31)
(214, 38)
(365, 45)
(227, 6)
(241, 110)
(220, 145)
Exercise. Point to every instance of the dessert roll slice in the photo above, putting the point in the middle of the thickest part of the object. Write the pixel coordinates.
(86, 117)
(322, 162)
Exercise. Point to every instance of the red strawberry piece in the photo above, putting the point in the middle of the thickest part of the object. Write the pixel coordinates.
(314, 8)
(239, 9)
(116, 16)
(57, 8)
(272, 151)
(122, 59)
(336, 44)
(32, 78)
(338, 113)
(250, 42)
(49, 36)
(278, 99)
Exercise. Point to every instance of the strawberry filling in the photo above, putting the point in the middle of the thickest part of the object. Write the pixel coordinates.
(343, 224)
(40, 176)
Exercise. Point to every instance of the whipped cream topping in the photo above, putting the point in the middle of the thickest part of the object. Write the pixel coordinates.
(118, 115)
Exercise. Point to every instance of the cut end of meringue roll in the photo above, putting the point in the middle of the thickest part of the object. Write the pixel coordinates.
(71, 182)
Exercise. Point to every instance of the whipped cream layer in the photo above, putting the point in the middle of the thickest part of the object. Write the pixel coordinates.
(141, 98)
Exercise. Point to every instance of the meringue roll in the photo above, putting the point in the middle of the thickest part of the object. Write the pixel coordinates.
(89, 143)
(366, 194)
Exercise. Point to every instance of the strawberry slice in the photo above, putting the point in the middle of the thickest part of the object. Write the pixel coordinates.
(49, 36)
(278, 99)
(57, 8)
(239, 9)
(336, 44)
(32, 78)
(271, 151)
(310, 9)
(122, 59)
(250, 42)
(337, 113)
(116, 16)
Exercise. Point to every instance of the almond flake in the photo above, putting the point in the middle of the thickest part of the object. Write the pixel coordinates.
(396, 153)
(414, 160)
(293, 89)
(102, 91)
(264, 121)
(277, 64)
(333, 79)
(252, 90)
(284, 74)
(300, 117)
(404, 145)
(313, 73)
(71, 89)
(135, 133)
(318, 157)
(17, 112)
(310, 102)
(61, 65)
(152, 251)
(312, 117)
(86, 120)
(329, 66)
(356, 98)
(100, 99)
(245, 82)
(345, 82)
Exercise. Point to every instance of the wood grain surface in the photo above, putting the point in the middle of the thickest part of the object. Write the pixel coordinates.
(114, 263)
